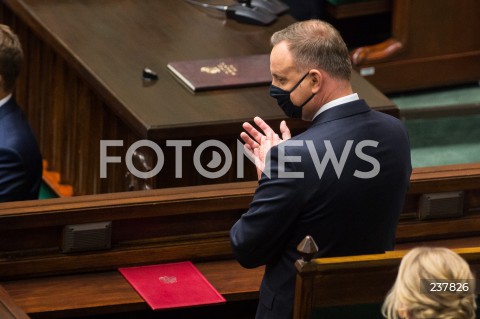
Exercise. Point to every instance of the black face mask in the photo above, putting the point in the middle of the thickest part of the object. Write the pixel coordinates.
(283, 100)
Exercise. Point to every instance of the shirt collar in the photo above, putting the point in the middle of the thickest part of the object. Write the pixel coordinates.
(5, 100)
(342, 100)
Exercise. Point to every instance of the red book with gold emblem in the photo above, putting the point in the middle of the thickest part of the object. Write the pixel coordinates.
(172, 285)
(201, 75)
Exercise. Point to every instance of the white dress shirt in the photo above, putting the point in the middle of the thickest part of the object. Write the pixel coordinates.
(342, 100)
(5, 99)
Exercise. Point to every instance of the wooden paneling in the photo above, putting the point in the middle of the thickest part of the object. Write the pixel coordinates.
(189, 223)
(148, 227)
(68, 117)
(436, 46)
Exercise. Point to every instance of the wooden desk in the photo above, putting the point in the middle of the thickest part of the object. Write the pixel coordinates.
(71, 296)
(82, 83)
(91, 294)
(176, 224)
(8, 308)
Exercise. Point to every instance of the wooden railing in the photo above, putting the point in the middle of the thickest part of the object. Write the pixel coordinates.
(193, 223)
(167, 225)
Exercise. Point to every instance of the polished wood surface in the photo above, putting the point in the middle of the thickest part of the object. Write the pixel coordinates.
(8, 308)
(109, 292)
(113, 53)
(82, 83)
(110, 42)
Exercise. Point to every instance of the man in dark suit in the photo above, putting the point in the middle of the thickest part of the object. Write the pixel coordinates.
(343, 181)
(20, 159)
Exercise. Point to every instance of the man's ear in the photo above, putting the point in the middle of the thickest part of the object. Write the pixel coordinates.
(316, 77)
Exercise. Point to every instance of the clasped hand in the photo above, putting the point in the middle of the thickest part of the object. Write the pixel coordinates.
(257, 144)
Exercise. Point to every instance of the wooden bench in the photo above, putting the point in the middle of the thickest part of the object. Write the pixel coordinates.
(352, 287)
(81, 295)
(430, 46)
(190, 223)
(72, 296)
(166, 225)
(441, 180)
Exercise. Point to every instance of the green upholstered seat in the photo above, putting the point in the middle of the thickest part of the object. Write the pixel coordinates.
(46, 192)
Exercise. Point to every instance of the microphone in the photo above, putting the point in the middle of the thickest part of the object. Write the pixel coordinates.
(241, 12)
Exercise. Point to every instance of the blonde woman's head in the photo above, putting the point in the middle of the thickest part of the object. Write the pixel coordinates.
(406, 299)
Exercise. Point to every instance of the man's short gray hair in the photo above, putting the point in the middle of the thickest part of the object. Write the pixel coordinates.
(316, 44)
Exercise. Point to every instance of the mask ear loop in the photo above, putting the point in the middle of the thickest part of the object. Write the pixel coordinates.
(308, 100)
(298, 83)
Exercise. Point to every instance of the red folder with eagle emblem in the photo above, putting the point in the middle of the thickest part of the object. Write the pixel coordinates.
(172, 285)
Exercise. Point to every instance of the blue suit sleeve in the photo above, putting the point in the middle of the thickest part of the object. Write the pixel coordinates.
(262, 232)
(12, 174)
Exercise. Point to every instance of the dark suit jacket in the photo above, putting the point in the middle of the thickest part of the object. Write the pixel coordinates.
(20, 159)
(346, 211)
